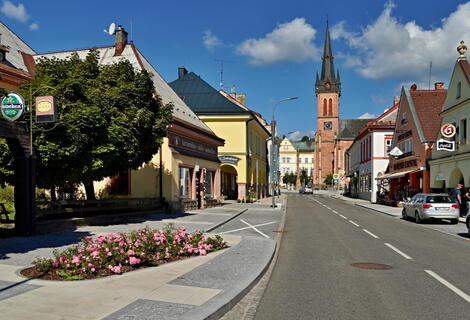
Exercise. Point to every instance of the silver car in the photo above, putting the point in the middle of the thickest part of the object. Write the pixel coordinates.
(424, 206)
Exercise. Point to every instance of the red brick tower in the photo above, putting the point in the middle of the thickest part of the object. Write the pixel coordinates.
(328, 91)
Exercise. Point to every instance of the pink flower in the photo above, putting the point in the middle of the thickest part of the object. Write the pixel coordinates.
(109, 254)
(92, 269)
(202, 252)
(181, 228)
(55, 264)
(134, 261)
(95, 254)
(76, 260)
(131, 252)
(115, 269)
(63, 259)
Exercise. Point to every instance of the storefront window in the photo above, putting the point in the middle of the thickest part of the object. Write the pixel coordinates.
(208, 184)
(185, 182)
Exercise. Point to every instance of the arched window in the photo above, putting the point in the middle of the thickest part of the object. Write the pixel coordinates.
(330, 107)
(324, 107)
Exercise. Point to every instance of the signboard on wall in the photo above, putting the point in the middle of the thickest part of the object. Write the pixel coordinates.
(448, 130)
(229, 159)
(445, 145)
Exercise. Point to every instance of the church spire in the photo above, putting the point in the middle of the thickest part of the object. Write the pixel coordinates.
(329, 81)
(327, 68)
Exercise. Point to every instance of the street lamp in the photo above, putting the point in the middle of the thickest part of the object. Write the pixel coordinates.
(273, 135)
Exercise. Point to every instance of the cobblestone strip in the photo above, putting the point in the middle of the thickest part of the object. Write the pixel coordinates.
(246, 308)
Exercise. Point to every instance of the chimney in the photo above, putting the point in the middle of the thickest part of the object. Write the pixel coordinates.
(396, 99)
(182, 72)
(240, 97)
(414, 86)
(121, 40)
(439, 86)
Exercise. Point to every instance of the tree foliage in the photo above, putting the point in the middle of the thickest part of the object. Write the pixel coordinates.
(305, 139)
(289, 178)
(328, 179)
(304, 177)
(109, 119)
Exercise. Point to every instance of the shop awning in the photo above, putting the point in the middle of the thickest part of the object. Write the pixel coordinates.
(398, 174)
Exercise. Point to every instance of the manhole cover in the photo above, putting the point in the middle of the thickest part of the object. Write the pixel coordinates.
(371, 266)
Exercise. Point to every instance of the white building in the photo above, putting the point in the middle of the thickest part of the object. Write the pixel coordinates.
(296, 156)
(367, 158)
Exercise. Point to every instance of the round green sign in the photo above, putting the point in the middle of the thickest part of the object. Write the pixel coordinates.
(12, 106)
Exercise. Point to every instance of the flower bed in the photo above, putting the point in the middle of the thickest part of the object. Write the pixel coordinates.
(118, 253)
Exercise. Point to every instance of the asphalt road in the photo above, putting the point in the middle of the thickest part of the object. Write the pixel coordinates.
(313, 277)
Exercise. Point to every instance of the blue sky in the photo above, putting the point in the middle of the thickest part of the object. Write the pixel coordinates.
(273, 47)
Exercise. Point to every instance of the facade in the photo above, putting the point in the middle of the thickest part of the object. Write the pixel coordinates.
(417, 125)
(296, 156)
(333, 136)
(243, 158)
(449, 168)
(367, 158)
(185, 171)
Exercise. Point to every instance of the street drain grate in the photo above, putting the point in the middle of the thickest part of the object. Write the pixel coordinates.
(280, 231)
(371, 266)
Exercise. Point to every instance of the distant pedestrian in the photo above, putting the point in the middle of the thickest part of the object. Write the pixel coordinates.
(467, 198)
(456, 195)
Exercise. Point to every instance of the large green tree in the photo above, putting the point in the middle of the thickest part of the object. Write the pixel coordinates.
(110, 120)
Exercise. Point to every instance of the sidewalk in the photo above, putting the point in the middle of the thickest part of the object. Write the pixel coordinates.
(388, 210)
(196, 288)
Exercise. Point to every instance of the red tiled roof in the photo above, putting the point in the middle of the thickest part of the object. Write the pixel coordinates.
(428, 105)
(465, 68)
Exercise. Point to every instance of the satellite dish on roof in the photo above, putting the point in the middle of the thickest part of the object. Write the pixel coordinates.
(111, 29)
(396, 152)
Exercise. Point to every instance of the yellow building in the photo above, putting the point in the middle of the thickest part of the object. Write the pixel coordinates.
(185, 172)
(244, 156)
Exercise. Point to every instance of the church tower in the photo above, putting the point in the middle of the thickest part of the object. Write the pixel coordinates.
(327, 91)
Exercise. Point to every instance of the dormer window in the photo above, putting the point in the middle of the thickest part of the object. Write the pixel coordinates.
(3, 51)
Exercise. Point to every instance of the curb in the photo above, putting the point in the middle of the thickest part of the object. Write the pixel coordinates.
(226, 220)
(220, 312)
(388, 214)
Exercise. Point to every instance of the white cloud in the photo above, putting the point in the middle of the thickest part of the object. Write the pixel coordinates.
(291, 41)
(297, 135)
(367, 115)
(388, 48)
(33, 26)
(210, 41)
(14, 12)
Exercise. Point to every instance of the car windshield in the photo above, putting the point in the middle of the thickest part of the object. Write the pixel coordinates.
(439, 199)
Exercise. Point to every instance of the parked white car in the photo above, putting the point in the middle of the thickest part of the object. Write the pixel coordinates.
(424, 206)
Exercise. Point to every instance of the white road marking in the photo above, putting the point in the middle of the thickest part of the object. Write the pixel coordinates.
(328, 207)
(334, 211)
(370, 233)
(354, 223)
(404, 255)
(449, 285)
(342, 216)
(240, 229)
(254, 228)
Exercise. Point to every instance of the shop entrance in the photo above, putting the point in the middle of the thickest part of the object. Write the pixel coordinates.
(229, 179)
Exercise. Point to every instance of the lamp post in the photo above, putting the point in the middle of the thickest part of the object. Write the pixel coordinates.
(273, 135)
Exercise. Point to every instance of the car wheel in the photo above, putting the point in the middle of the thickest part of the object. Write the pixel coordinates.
(454, 221)
(403, 214)
(418, 218)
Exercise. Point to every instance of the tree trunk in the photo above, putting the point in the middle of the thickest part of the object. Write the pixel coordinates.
(90, 190)
(53, 194)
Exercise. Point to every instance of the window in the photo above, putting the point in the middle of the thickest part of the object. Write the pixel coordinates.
(330, 107)
(459, 89)
(288, 160)
(388, 145)
(208, 184)
(463, 131)
(324, 107)
(185, 182)
(404, 118)
(306, 160)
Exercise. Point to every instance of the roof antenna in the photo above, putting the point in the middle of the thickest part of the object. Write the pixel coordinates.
(430, 69)
(132, 32)
(222, 83)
